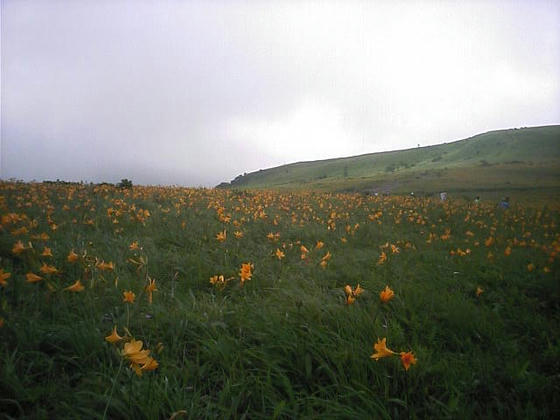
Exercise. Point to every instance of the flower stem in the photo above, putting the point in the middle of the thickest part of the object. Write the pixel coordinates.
(112, 390)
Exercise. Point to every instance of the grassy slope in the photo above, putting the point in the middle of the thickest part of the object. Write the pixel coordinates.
(498, 160)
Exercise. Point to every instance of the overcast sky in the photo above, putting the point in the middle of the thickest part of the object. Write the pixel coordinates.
(197, 92)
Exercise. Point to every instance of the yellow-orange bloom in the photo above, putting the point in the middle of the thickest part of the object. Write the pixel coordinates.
(43, 237)
(103, 266)
(279, 254)
(319, 245)
(325, 259)
(507, 251)
(381, 349)
(48, 269)
(133, 352)
(72, 256)
(151, 364)
(479, 291)
(382, 258)
(490, 241)
(21, 231)
(47, 252)
(18, 248)
(150, 288)
(148, 364)
(530, 267)
(3, 277)
(134, 246)
(221, 236)
(407, 359)
(33, 278)
(245, 273)
(386, 295)
(219, 281)
(352, 294)
(129, 296)
(113, 337)
(358, 291)
(238, 234)
(140, 360)
(76, 287)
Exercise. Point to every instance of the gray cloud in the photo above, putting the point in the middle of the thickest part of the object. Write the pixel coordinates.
(194, 93)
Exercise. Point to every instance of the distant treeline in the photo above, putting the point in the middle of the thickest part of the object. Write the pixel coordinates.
(125, 183)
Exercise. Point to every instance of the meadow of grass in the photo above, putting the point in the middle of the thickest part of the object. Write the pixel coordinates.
(280, 335)
(503, 161)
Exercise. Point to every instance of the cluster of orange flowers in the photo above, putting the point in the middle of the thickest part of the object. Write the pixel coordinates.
(407, 358)
(245, 273)
(352, 294)
(20, 250)
(381, 351)
(338, 218)
(140, 360)
(219, 281)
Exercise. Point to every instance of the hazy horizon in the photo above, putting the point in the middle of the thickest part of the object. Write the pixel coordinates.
(197, 93)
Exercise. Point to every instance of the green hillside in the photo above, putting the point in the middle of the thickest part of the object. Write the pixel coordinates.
(504, 160)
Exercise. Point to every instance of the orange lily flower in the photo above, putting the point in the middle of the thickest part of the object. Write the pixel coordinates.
(113, 337)
(381, 349)
(33, 278)
(76, 287)
(48, 269)
(18, 248)
(103, 266)
(46, 252)
(72, 257)
(382, 258)
(221, 236)
(3, 277)
(407, 359)
(150, 288)
(245, 273)
(129, 296)
(386, 295)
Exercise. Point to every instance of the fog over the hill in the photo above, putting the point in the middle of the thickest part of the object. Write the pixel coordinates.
(197, 92)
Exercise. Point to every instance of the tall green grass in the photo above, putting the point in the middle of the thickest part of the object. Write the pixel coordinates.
(285, 344)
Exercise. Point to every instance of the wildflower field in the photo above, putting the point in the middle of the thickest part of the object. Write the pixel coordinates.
(158, 302)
